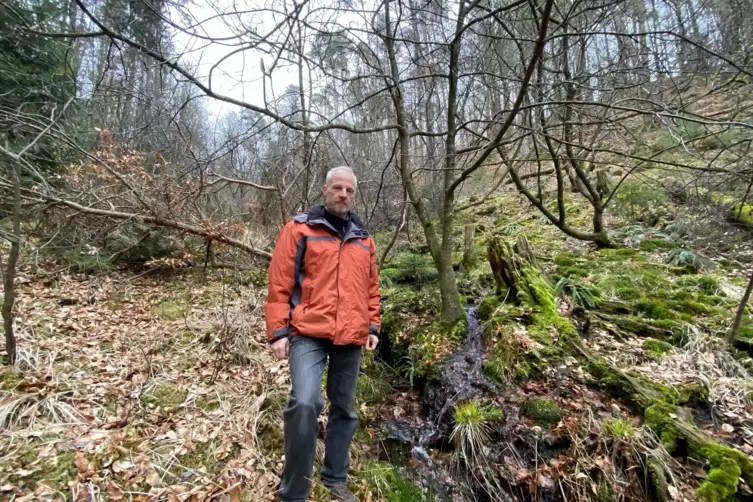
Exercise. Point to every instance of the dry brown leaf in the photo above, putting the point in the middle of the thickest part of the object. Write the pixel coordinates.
(120, 466)
(82, 463)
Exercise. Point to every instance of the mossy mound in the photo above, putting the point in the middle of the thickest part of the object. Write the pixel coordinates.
(165, 396)
(543, 411)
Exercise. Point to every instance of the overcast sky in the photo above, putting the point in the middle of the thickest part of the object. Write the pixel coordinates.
(240, 75)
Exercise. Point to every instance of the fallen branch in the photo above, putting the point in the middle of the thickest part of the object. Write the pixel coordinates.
(153, 220)
(239, 182)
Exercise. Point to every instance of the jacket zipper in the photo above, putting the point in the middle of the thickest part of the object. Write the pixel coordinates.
(337, 281)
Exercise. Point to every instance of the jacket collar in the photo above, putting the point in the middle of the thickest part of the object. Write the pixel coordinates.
(315, 216)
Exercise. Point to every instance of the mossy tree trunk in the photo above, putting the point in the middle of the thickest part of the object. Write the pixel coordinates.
(674, 425)
(735, 329)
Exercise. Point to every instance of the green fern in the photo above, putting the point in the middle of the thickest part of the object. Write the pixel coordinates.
(512, 229)
(581, 294)
(683, 257)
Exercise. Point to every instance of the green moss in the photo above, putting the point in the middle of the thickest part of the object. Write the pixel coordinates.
(487, 306)
(720, 483)
(11, 379)
(434, 344)
(653, 308)
(544, 322)
(716, 454)
(742, 212)
(207, 403)
(621, 287)
(202, 457)
(656, 348)
(658, 417)
(565, 260)
(411, 300)
(171, 309)
(164, 395)
(535, 291)
(603, 372)
(572, 272)
(269, 429)
(386, 482)
(391, 322)
(727, 464)
(617, 254)
(691, 307)
(409, 267)
(543, 411)
(57, 471)
(496, 370)
(692, 391)
(705, 283)
(657, 244)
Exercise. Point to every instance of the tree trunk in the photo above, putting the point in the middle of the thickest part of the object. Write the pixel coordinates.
(441, 250)
(9, 289)
(732, 335)
(468, 246)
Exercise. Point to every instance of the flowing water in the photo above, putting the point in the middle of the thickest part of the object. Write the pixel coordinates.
(461, 379)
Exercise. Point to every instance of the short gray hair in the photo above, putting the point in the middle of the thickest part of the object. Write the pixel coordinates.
(341, 169)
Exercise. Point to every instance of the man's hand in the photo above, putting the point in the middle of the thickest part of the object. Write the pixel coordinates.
(372, 343)
(281, 348)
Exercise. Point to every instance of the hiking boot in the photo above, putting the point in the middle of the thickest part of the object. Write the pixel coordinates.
(342, 494)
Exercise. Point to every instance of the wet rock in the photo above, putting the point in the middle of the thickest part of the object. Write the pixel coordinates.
(421, 455)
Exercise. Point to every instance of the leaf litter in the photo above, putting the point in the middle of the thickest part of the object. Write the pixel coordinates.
(115, 397)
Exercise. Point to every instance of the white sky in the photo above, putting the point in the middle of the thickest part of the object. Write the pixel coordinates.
(240, 75)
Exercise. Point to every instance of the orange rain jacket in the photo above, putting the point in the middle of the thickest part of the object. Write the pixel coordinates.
(321, 285)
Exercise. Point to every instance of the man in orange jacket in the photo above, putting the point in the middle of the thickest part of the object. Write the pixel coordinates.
(322, 303)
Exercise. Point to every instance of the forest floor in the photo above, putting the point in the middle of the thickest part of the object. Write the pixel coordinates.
(161, 385)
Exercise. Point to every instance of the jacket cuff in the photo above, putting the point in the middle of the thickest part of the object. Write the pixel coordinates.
(280, 333)
(374, 329)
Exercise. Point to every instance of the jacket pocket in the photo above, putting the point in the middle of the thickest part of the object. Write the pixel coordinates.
(306, 295)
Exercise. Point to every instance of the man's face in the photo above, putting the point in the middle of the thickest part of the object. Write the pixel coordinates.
(340, 193)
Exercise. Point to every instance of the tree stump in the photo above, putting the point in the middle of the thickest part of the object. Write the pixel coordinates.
(507, 260)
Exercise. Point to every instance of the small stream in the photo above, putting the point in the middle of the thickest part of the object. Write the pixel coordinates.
(425, 442)
(514, 447)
